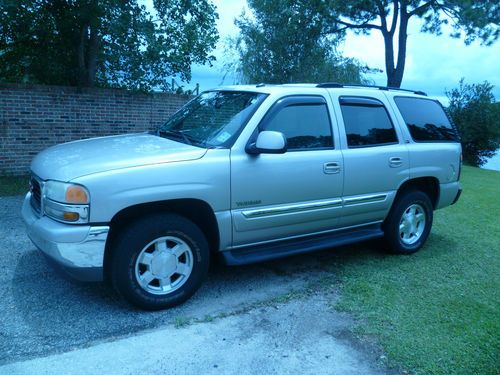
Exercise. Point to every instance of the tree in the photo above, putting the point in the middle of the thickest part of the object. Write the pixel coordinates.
(477, 116)
(476, 19)
(284, 42)
(115, 43)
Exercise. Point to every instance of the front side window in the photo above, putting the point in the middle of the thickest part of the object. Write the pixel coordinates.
(426, 120)
(367, 122)
(305, 126)
(213, 119)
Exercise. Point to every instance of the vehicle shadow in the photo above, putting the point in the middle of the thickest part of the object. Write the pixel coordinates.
(45, 312)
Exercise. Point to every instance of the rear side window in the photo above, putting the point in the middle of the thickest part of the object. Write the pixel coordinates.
(305, 126)
(366, 122)
(426, 120)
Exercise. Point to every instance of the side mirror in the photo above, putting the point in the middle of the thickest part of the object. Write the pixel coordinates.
(268, 142)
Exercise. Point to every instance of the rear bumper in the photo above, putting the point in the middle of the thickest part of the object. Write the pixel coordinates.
(457, 197)
(77, 249)
(449, 194)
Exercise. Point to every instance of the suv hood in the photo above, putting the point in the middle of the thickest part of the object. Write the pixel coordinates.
(75, 159)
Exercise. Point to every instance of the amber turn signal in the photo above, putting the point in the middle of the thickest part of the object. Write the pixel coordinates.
(71, 216)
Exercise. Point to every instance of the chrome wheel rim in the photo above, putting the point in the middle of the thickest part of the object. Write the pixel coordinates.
(412, 224)
(164, 265)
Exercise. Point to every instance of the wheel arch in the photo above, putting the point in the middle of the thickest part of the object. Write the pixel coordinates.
(428, 185)
(196, 210)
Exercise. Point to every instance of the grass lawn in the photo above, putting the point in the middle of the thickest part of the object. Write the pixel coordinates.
(437, 311)
(13, 185)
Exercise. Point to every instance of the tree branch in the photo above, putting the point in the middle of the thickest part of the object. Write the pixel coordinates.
(452, 15)
(422, 8)
(394, 17)
(382, 14)
(364, 25)
(329, 31)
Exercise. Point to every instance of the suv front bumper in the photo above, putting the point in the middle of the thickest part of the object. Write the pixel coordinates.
(77, 249)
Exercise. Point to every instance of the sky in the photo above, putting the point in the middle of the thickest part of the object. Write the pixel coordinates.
(433, 64)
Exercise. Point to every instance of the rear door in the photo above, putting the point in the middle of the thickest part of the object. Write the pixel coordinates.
(375, 156)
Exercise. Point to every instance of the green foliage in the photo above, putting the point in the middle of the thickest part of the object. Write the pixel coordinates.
(477, 116)
(477, 19)
(115, 43)
(468, 19)
(472, 20)
(284, 42)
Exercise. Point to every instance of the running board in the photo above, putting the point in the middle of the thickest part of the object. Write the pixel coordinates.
(261, 253)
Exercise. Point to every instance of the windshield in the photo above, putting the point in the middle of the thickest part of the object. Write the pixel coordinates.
(213, 119)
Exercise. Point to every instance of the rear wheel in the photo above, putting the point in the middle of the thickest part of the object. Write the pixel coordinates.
(409, 222)
(159, 261)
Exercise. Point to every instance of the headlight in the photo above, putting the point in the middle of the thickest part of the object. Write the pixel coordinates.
(66, 193)
(66, 202)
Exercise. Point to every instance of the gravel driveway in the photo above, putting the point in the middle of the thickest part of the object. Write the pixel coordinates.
(44, 313)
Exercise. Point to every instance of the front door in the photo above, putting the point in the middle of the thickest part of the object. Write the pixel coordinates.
(278, 196)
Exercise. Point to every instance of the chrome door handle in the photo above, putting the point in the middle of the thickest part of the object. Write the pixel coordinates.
(395, 162)
(331, 168)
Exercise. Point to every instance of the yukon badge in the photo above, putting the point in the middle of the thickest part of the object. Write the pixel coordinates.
(248, 203)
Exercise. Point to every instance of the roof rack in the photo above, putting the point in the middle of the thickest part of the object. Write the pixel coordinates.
(386, 88)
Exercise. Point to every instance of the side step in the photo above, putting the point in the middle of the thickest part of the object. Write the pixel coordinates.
(261, 253)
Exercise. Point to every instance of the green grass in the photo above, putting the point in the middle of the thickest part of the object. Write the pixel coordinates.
(437, 311)
(181, 322)
(13, 185)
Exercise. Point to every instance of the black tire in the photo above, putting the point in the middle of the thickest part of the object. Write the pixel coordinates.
(145, 237)
(408, 241)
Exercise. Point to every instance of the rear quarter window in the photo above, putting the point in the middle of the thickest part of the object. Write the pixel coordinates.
(426, 120)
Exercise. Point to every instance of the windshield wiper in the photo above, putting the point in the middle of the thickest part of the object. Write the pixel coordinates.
(177, 134)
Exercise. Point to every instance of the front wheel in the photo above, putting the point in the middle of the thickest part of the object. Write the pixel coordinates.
(159, 261)
(409, 223)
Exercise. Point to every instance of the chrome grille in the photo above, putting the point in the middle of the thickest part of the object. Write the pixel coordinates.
(36, 194)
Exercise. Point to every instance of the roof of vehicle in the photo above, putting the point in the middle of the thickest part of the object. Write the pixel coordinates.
(272, 88)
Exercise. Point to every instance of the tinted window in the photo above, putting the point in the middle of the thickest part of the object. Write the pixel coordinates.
(426, 120)
(367, 125)
(304, 126)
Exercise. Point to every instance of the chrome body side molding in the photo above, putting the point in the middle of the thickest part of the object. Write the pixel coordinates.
(292, 208)
(301, 207)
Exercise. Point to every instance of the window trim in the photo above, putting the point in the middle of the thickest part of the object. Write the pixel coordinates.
(453, 126)
(367, 102)
(292, 101)
(360, 101)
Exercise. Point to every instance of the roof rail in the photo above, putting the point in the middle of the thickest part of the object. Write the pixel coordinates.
(327, 85)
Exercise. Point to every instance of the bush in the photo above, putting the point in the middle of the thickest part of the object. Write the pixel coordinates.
(477, 116)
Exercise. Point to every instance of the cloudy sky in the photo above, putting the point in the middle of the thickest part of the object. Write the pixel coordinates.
(434, 63)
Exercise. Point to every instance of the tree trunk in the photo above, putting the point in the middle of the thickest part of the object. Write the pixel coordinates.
(392, 80)
(389, 56)
(395, 75)
(92, 56)
(81, 74)
(402, 41)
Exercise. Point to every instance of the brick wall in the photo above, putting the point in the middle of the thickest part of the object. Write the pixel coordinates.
(33, 118)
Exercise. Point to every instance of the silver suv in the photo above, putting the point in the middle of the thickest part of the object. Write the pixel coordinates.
(247, 173)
